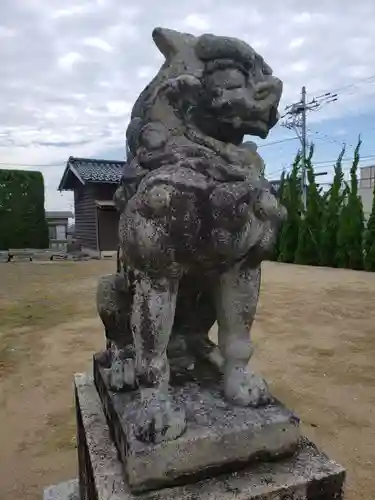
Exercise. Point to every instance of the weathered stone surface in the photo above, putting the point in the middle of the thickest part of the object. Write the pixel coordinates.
(21, 257)
(113, 302)
(4, 256)
(218, 436)
(197, 216)
(307, 475)
(68, 490)
(196, 219)
(42, 257)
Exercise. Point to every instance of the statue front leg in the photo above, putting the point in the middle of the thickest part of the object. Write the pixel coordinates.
(154, 301)
(236, 299)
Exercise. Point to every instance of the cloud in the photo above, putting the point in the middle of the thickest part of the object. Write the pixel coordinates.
(299, 66)
(67, 61)
(98, 43)
(296, 42)
(196, 22)
(70, 11)
(119, 108)
(63, 144)
(71, 73)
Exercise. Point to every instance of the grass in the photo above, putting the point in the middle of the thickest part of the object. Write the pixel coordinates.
(23, 324)
(45, 300)
(315, 345)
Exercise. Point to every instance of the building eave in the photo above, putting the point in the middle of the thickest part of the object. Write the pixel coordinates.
(55, 215)
(69, 168)
(102, 181)
(105, 203)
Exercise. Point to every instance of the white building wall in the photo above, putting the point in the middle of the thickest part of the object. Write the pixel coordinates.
(366, 187)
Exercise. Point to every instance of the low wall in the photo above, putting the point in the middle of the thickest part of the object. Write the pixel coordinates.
(30, 254)
(49, 254)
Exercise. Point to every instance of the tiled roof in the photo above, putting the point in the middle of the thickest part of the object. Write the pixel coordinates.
(90, 170)
(102, 171)
(59, 215)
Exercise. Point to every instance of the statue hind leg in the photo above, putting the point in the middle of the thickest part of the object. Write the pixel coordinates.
(154, 302)
(114, 306)
(236, 298)
(195, 316)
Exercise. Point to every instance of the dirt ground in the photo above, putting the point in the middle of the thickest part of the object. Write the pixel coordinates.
(315, 339)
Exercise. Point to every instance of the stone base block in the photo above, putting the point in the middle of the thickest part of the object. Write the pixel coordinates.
(68, 490)
(307, 475)
(219, 436)
(4, 256)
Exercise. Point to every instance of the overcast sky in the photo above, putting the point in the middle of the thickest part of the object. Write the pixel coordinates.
(71, 70)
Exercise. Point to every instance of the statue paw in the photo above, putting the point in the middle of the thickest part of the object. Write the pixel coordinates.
(159, 418)
(245, 388)
(121, 375)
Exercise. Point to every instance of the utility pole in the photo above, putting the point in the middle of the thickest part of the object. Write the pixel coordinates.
(304, 147)
(295, 119)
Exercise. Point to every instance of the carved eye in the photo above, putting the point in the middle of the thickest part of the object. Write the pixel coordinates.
(230, 78)
(266, 70)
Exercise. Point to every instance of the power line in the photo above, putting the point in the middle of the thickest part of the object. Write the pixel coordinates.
(31, 164)
(295, 119)
(295, 113)
(278, 142)
(329, 138)
(351, 85)
(277, 172)
(368, 157)
(322, 165)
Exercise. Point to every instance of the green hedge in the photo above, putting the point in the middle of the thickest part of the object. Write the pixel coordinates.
(22, 217)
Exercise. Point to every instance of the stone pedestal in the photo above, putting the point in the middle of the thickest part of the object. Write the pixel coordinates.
(219, 436)
(68, 490)
(307, 474)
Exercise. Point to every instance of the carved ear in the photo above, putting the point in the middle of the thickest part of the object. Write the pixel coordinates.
(170, 42)
(252, 146)
(132, 134)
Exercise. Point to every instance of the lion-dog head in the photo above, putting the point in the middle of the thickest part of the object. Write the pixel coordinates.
(210, 92)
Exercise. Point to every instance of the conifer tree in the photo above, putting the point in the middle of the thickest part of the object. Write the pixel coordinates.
(351, 223)
(280, 196)
(292, 202)
(308, 247)
(369, 239)
(330, 216)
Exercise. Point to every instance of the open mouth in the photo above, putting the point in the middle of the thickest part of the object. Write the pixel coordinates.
(252, 119)
(273, 117)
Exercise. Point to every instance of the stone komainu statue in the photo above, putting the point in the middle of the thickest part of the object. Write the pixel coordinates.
(197, 217)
